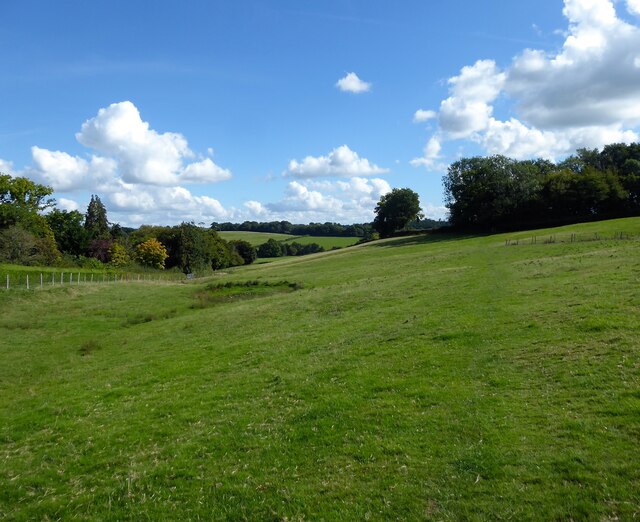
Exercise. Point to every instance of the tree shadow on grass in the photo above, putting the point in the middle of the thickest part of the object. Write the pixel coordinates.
(423, 238)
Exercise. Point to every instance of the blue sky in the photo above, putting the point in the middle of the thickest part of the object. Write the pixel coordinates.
(301, 110)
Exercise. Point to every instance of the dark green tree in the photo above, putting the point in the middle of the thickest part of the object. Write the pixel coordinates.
(71, 236)
(200, 249)
(487, 193)
(291, 249)
(630, 179)
(96, 222)
(395, 210)
(582, 195)
(21, 246)
(245, 250)
(270, 249)
(309, 248)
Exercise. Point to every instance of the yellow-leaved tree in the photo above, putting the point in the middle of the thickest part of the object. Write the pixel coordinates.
(151, 253)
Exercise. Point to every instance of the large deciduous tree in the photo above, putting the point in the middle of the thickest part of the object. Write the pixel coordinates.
(20, 198)
(395, 210)
(485, 193)
(21, 203)
(201, 249)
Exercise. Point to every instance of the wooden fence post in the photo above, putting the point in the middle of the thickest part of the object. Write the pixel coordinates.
(27, 281)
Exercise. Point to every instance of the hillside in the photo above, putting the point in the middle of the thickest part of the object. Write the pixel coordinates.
(257, 238)
(426, 377)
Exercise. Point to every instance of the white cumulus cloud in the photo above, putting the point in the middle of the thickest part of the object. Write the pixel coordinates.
(143, 154)
(59, 169)
(300, 198)
(205, 171)
(139, 172)
(469, 108)
(340, 162)
(157, 204)
(431, 155)
(586, 94)
(351, 83)
(256, 209)
(422, 115)
(6, 167)
(67, 204)
(633, 6)
(304, 201)
(432, 211)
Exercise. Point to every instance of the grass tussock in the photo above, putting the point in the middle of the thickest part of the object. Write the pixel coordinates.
(89, 347)
(217, 293)
(147, 317)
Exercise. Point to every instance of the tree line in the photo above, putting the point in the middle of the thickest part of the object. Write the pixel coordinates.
(481, 193)
(273, 248)
(327, 229)
(500, 193)
(34, 232)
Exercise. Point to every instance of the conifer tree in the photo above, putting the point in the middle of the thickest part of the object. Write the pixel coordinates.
(95, 221)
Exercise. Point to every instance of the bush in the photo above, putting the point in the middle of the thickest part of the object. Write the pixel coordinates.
(118, 256)
(90, 262)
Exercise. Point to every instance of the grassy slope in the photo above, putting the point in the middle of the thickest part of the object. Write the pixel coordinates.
(409, 379)
(257, 238)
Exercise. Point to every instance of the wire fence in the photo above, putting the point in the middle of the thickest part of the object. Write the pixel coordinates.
(569, 238)
(33, 280)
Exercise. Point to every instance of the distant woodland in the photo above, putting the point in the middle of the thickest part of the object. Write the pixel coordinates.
(482, 194)
(499, 193)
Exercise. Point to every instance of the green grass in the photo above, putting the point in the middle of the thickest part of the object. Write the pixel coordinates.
(426, 377)
(255, 238)
(52, 276)
(327, 242)
(258, 238)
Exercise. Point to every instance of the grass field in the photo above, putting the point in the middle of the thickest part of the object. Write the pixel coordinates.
(257, 238)
(421, 378)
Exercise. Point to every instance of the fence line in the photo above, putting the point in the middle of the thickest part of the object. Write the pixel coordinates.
(23, 280)
(568, 238)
